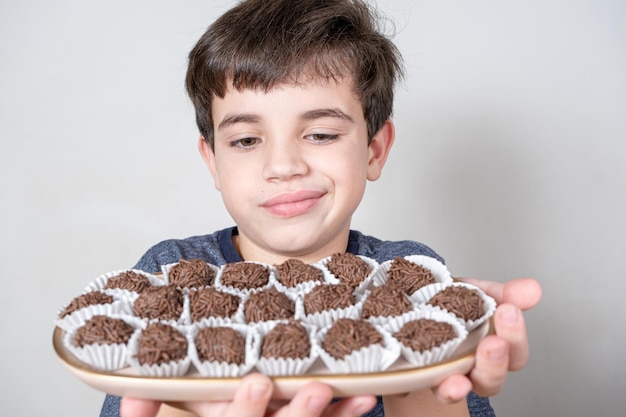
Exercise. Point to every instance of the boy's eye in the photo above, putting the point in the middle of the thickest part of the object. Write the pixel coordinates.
(244, 142)
(322, 137)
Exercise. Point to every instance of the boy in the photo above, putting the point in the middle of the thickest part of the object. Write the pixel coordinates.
(293, 102)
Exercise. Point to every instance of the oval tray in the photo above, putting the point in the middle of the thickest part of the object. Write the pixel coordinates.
(401, 377)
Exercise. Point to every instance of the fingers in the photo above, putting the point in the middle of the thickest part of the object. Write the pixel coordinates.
(525, 293)
(453, 389)
(310, 401)
(492, 364)
(351, 406)
(314, 400)
(510, 326)
(251, 400)
(136, 407)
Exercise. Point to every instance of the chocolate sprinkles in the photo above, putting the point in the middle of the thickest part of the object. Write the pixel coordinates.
(328, 297)
(128, 280)
(165, 303)
(348, 335)
(408, 275)
(86, 300)
(220, 344)
(245, 275)
(286, 340)
(193, 273)
(293, 272)
(424, 334)
(210, 302)
(160, 343)
(269, 304)
(463, 302)
(348, 268)
(103, 330)
(386, 301)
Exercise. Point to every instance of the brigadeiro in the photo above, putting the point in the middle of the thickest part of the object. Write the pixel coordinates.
(408, 276)
(267, 305)
(464, 301)
(160, 349)
(160, 303)
(427, 336)
(293, 274)
(102, 341)
(357, 346)
(191, 273)
(385, 301)
(411, 273)
(215, 306)
(88, 304)
(286, 349)
(228, 350)
(325, 303)
(349, 269)
(245, 275)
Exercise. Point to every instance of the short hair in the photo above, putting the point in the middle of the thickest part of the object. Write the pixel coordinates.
(260, 44)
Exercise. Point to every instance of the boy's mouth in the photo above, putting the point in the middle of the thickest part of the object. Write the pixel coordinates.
(292, 204)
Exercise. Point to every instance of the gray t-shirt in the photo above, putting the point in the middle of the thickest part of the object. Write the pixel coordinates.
(218, 249)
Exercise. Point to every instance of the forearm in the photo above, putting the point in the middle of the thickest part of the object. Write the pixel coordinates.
(422, 403)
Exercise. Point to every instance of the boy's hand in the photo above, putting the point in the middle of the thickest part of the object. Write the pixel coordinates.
(505, 351)
(252, 399)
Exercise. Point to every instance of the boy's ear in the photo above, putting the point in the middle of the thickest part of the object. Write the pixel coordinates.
(379, 150)
(209, 159)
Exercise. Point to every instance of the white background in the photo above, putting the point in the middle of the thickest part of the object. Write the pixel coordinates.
(509, 161)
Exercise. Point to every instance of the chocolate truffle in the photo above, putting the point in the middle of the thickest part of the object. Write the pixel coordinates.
(408, 275)
(463, 302)
(268, 304)
(220, 344)
(128, 280)
(86, 300)
(161, 343)
(164, 303)
(348, 335)
(245, 275)
(103, 330)
(328, 297)
(210, 302)
(348, 268)
(386, 301)
(192, 273)
(424, 334)
(293, 272)
(286, 340)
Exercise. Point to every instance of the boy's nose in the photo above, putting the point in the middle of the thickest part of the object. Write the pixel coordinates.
(283, 160)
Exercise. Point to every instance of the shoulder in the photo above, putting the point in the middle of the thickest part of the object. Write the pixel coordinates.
(383, 250)
(204, 247)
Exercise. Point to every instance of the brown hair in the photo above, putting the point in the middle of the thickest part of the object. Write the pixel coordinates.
(259, 44)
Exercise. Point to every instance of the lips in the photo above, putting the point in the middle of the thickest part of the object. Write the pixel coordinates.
(292, 204)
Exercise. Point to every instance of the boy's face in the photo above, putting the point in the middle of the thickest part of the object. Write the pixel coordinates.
(291, 165)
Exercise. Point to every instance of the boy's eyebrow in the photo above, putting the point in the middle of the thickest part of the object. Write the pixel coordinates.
(232, 119)
(320, 113)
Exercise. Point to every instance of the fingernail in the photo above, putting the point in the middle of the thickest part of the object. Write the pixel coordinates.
(316, 404)
(509, 314)
(258, 391)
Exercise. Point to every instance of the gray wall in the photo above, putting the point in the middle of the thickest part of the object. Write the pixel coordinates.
(509, 161)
